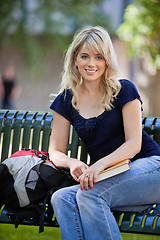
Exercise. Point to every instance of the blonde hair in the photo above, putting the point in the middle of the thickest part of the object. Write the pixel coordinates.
(98, 40)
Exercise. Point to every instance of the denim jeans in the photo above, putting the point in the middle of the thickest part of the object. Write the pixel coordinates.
(87, 214)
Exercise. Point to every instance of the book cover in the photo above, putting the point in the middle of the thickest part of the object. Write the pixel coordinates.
(114, 170)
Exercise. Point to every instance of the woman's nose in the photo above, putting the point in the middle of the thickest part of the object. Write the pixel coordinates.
(91, 62)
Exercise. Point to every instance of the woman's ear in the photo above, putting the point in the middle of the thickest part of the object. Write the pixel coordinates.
(75, 61)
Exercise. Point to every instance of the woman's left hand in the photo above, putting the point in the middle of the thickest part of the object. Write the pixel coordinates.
(89, 176)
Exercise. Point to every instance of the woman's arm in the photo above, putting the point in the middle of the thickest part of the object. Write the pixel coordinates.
(133, 139)
(132, 121)
(57, 147)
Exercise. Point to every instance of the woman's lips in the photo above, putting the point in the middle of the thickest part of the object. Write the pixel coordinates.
(91, 71)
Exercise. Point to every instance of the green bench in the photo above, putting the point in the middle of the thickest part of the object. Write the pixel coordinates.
(21, 129)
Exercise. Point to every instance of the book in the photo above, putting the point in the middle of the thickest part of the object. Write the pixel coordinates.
(114, 170)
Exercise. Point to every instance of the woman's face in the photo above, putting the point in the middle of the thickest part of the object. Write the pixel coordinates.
(91, 65)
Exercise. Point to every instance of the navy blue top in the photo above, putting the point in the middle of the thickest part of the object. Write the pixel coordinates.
(105, 133)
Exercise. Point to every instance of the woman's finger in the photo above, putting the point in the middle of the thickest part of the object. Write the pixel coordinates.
(86, 181)
(91, 180)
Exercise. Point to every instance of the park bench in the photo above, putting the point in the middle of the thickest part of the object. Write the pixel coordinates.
(22, 129)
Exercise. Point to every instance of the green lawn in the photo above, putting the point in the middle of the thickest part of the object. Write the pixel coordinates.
(8, 232)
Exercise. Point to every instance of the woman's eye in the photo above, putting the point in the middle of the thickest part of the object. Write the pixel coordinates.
(84, 56)
(99, 57)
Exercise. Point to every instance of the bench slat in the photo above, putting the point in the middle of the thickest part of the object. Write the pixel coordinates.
(27, 127)
(7, 133)
(46, 131)
(37, 128)
(17, 127)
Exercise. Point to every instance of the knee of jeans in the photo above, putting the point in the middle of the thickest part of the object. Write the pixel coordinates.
(57, 197)
(80, 196)
(83, 196)
(91, 197)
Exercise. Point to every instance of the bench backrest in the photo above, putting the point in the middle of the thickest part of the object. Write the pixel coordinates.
(31, 130)
(22, 129)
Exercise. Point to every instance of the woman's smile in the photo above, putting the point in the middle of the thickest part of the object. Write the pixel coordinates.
(90, 72)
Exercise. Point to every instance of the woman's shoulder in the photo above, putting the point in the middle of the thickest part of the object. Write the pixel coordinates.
(63, 98)
(65, 95)
(128, 92)
(126, 82)
(62, 104)
(127, 86)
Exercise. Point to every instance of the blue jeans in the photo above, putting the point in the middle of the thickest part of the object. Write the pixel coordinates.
(87, 214)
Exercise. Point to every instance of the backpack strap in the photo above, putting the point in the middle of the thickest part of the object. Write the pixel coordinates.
(26, 213)
(47, 212)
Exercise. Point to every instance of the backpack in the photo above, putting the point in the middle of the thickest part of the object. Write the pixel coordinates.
(27, 181)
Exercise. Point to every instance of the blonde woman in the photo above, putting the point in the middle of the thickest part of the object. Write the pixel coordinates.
(106, 113)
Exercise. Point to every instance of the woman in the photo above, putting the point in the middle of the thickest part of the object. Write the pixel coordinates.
(106, 113)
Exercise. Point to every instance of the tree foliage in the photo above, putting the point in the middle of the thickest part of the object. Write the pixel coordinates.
(39, 27)
(141, 30)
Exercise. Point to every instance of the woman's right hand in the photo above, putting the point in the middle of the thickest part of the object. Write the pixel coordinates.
(77, 168)
(57, 148)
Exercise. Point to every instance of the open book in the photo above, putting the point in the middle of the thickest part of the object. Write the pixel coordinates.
(114, 170)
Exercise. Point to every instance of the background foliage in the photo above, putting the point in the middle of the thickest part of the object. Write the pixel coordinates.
(141, 30)
(39, 27)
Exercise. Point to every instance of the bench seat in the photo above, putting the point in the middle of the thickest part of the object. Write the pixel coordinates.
(28, 129)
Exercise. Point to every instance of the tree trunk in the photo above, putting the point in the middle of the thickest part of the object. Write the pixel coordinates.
(153, 94)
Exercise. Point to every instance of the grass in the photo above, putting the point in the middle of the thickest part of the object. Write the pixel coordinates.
(131, 236)
(8, 232)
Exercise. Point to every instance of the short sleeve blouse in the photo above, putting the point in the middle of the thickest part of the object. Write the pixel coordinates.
(105, 133)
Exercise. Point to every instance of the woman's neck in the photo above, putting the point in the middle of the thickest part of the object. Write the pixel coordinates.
(90, 88)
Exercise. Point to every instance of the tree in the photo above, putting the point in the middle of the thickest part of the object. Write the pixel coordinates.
(39, 27)
(141, 31)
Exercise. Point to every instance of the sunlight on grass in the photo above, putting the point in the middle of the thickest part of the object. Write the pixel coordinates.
(131, 236)
(8, 232)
